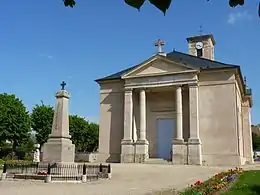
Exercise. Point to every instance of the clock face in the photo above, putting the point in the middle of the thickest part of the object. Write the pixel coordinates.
(199, 45)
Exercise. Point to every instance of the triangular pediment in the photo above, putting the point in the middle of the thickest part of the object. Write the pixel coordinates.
(157, 65)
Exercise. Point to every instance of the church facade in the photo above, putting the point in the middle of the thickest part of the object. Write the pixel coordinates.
(184, 108)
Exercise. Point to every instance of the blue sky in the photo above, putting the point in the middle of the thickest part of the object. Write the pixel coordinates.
(43, 43)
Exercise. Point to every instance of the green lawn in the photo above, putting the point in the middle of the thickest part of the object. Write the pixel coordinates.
(247, 184)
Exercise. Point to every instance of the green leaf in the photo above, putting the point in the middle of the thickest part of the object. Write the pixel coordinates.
(41, 117)
(135, 3)
(15, 123)
(162, 5)
(70, 3)
(234, 3)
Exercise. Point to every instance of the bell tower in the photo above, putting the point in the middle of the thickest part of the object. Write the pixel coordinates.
(202, 46)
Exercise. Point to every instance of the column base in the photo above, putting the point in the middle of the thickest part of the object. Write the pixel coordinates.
(127, 151)
(179, 152)
(194, 151)
(141, 151)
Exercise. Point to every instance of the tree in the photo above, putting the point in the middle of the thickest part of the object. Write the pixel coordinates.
(15, 123)
(162, 5)
(42, 116)
(256, 141)
(93, 132)
(84, 134)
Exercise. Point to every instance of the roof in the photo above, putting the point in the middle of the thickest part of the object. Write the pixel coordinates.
(179, 57)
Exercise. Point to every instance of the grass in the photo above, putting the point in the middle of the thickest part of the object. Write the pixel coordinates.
(247, 184)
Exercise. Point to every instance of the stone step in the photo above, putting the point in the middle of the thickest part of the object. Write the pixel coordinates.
(157, 161)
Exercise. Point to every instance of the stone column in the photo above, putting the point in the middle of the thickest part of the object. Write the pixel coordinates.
(194, 142)
(141, 148)
(179, 115)
(178, 147)
(127, 150)
(134, 129)
(142, 115)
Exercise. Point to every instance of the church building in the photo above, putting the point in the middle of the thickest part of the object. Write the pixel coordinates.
(183, 108)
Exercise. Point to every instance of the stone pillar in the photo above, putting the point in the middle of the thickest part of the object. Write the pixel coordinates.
(135, 110)
(194, 142)
(141, 146)
(179, 115)
(142, 115)
(134, 129)
(59, 147)
(178, 146)
(127, 149)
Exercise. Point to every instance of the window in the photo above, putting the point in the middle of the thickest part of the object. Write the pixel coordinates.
(199, 53)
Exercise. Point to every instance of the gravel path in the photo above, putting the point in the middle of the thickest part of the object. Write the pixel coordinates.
(136, 179)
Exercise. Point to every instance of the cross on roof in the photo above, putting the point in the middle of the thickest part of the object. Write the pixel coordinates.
(245, 80)
(200, 30)
(159, 44)
(63, 84)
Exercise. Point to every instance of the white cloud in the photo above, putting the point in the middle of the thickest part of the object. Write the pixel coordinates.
(46, 56)
(238, 16)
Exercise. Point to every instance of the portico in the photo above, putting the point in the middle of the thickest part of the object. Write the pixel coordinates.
(142, 100)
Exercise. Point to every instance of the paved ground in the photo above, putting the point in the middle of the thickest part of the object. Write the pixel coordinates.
(136, 179)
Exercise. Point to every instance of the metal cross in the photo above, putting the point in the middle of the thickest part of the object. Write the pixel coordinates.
(245, 80)
(63, 84)
(200, 30)
(159, 43)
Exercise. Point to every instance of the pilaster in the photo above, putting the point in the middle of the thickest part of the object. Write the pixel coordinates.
(194, 142)
(127, 148)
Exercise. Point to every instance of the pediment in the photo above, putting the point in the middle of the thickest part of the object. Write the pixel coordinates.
(157, 66)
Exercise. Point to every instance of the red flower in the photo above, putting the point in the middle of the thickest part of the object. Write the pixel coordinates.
(198, 183)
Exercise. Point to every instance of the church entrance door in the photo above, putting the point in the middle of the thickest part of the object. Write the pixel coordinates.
(165, 128)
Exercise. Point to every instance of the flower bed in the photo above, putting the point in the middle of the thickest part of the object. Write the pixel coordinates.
(215, 184)
(42, 173)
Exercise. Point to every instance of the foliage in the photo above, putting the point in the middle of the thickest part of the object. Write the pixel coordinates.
(25, 151)
(42, 116)
(14, 121)
(256, 141)
(162, 5)
(84, 134)
(247, 183)
(215, 184)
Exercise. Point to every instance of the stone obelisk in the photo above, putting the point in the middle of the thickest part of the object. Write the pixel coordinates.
(59, 148)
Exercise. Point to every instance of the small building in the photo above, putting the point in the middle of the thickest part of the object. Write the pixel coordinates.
(186, 108)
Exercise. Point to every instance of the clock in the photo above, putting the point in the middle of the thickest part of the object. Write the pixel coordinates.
(199, 45)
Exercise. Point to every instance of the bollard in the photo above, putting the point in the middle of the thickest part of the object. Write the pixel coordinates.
(48, 176)
(84, 176)
(47, 179)
(109, 174)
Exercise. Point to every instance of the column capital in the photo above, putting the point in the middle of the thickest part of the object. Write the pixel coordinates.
(143, 89)
(193, 85)
(179, 87)
(128, 90)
